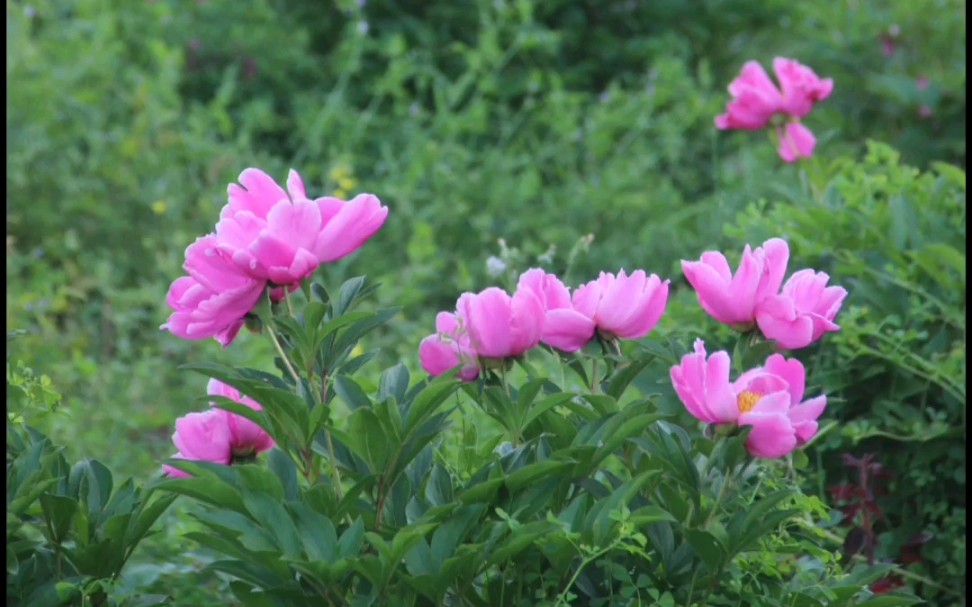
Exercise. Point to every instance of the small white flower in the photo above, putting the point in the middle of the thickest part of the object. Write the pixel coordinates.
(495, 266)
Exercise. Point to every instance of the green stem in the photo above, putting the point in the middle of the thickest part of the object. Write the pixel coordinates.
(561, 598)
(335, 474)
(594, 381)
(722, 493)
(283, 355)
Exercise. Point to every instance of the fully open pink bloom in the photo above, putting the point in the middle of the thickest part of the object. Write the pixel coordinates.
(448, 348)
(501, 326)
(202, 436)
(245, 436)
(213, 299)
(757, 103)
(802, 312)
(564, 327)
(732, 298)
(272, 235)
(768, 398)
(627, 307)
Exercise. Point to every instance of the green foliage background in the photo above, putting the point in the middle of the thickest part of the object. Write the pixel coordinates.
(533, 122)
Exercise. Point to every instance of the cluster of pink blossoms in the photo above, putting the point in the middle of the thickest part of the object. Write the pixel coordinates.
(265, 237)
(768, 398)
(216, 435)
(794, 316)
(758, 103)
(493, 325)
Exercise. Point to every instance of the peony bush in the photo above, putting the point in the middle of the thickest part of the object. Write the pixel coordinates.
(534, 464)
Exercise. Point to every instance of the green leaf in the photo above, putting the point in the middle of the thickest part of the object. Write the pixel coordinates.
(58, 512)
(347, 294)
(367, 439)
(393, 384)
(351, 540)
(889, 600)
(260, 480)
(429, 399)
(283, 466)
(438, 490)
(266, 510)
(314, 312)
(351, 392)
(623, 376)
(94, 484)
(542, 406)
(318, 291)
(532, 472)
(520, 539)
(208, 490)
(147, 516)
(707, 546)
(316, 532)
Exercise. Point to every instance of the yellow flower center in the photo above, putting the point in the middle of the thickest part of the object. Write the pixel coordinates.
(747, 400)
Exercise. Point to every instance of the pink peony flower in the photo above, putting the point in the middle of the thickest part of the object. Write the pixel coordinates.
(768, 398)
(213, 299)
(448, 348)
(246, 437)
(622, 306)
(755, 100)
(217, 435)
(486, 325)
(802, 312)
(203, 437)
(801, 87)
(564, 327)
(732, 298)
(757, 103)
(272, 235)
(501, 326)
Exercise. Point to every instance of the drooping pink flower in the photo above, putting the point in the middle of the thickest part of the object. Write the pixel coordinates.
(768, 398)
(246, 437)
(757, 103)
(801, 87)
(283, 236)
(216, 435)
(732, 298)
(755, 100)
(448, 348)
(802, 312)
(564, 327)
(622, 306)
(201, 436)
(500, 325)
(213, 299)
(794, 141)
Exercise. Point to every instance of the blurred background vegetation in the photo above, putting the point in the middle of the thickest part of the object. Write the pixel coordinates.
(507, 128)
